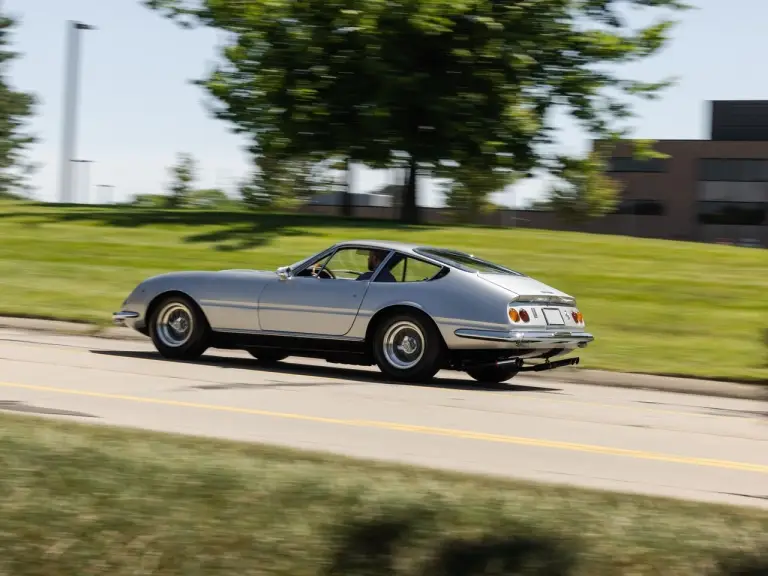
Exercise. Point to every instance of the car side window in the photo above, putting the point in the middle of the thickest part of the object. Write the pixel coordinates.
(312, 269)
(348, 263)
(413, 270)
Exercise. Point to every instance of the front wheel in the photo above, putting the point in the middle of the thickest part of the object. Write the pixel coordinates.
(178, 329)
(408, 348)
(493, 374)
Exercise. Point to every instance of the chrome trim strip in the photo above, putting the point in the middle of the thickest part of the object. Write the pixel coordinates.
(528, 337)
(229, 304)
(120, 317)
(473, 323)
(280, 307)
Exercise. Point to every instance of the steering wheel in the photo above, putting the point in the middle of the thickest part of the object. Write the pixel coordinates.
(324, 273)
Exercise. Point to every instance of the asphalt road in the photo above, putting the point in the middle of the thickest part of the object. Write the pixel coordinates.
(685, 446)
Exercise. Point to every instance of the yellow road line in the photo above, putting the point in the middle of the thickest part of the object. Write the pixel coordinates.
(551, 399)
(427, 430)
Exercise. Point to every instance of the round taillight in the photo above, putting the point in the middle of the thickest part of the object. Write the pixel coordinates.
(575, 316)
(524, 316)
(513, 315)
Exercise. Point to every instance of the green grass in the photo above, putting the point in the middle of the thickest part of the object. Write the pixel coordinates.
(654, 306)
(90, 500)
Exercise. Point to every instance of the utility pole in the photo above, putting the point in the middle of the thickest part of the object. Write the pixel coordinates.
(69, 125)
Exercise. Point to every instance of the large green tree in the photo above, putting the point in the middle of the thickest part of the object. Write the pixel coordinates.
(16, 108)
(472, 81)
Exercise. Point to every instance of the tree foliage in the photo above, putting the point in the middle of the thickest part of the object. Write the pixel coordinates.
(16, 108)
(467, 190)
(472, 81)
(183, 176)
(282, 182)
(584, 190)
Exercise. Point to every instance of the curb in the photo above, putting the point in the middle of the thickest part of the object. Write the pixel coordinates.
(712, 388)
(70, 328)
(694, 386)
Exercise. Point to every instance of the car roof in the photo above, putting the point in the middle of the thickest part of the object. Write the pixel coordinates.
(382, 244)
(393, 245)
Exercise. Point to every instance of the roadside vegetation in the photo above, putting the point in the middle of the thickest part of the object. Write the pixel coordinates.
(86, 500)
(654, 306)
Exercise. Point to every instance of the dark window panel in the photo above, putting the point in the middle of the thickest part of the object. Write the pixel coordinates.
(733, 170)
(732, 213)
(641, 208)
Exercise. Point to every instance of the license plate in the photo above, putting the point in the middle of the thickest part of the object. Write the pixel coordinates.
(553, 316)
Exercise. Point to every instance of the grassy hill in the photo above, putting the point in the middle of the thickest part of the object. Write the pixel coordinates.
(654, 306)
(124, 502)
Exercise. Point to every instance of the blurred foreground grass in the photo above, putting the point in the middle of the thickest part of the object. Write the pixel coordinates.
(90, 500)
(654, 306)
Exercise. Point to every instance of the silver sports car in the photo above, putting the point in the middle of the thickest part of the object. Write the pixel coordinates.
(411, 310)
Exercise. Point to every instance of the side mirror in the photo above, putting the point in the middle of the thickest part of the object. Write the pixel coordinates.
(284, 272)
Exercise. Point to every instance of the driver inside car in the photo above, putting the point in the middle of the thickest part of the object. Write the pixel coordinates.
(374, 259)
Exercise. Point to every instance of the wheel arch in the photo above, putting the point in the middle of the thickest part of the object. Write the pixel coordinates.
(158, 298)
(391, 310)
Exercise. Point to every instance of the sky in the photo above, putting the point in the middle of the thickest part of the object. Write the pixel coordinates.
(138, 108)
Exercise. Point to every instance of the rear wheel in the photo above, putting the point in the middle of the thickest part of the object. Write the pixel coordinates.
(178, 328)
(408, 348)
(267, 356)
(493, 374)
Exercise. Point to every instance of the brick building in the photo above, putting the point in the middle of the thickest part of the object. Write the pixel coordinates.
(712, 190)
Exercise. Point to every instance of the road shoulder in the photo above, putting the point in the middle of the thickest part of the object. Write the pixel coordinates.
(743, 391)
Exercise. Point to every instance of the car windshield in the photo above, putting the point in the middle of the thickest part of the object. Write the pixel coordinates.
(466, 262)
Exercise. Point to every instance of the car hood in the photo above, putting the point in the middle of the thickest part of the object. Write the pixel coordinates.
(524, 286)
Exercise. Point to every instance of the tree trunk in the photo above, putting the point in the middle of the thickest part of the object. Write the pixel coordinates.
(409, 211)
(346, 195)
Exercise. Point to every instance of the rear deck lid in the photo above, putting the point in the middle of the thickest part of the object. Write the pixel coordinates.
(525, 287)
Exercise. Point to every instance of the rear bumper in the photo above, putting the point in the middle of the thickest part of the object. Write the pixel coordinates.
(529, 339)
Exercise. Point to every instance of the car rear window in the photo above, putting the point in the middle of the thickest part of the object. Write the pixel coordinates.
(466, 262)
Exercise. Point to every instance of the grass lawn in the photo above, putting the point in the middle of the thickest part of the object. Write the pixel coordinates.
(90, 500)
(654, 306)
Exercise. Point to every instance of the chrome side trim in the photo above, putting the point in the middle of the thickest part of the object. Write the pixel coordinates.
(529, 339)
(119, 318)
(451, 322)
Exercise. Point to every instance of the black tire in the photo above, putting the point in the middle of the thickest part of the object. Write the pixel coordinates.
(493, 374)
(186, 341)
(418, 366)
(267, 356)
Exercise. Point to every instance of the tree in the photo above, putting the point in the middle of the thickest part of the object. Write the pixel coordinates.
(284, 182)
(473, 81)
(15, 109)
(584, 190)
(468, 190)
(183, 174)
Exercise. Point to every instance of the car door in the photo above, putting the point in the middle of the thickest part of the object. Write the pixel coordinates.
(317, 306)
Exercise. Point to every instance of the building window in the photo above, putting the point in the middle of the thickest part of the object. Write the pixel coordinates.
(733, 213)
(732, 191)
(641, 208)
(733, 170)
(630, 164)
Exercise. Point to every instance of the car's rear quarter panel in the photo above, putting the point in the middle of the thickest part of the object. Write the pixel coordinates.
(455, 301)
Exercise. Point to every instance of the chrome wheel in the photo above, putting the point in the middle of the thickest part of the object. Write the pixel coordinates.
(403, 345)
(175, 324)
